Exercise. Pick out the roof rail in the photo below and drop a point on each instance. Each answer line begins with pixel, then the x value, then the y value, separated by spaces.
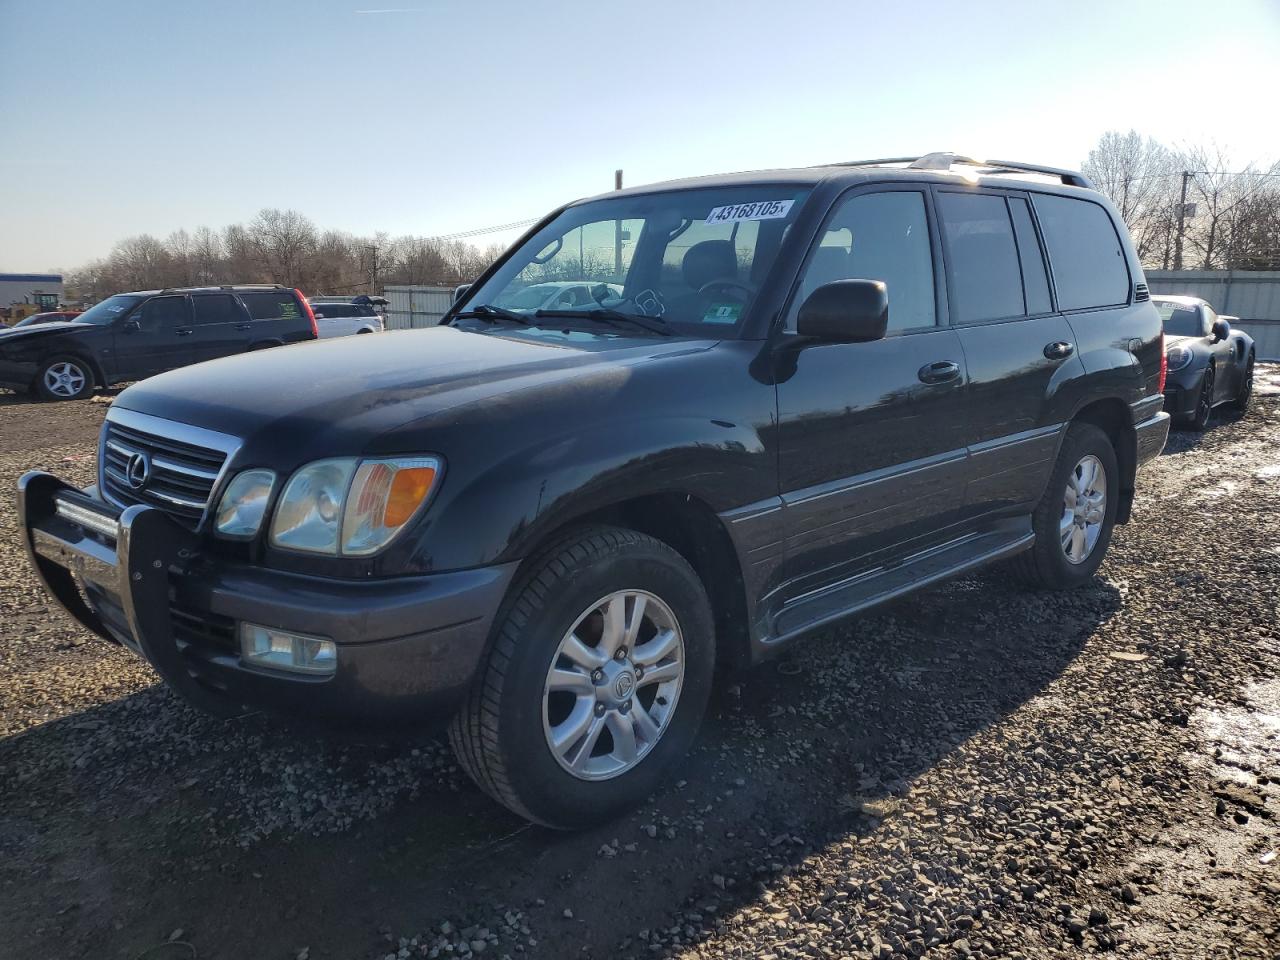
pixel 943 161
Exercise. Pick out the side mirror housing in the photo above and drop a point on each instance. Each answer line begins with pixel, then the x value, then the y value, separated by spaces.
pixel 131 326
pixel 460 291
pixel 845 311
pixel 1221 330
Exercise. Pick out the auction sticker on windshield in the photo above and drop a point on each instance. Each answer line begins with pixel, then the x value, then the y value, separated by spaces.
pixel 760 210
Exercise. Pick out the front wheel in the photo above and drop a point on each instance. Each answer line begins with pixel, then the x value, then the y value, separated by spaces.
pixel 64 378
pixel 596 681
pixel 1241 400
pixel 1075 517
pixel 1198 420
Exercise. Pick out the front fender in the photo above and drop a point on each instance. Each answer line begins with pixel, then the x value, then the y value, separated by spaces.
pixel 502 512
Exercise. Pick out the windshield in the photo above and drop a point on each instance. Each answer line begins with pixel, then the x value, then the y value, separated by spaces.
pixel 109 310
pixel 1180 320
pixel 694 259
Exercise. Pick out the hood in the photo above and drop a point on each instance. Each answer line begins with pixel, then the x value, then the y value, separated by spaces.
pixel 10 334
pixel 343 393
pixel 1174 341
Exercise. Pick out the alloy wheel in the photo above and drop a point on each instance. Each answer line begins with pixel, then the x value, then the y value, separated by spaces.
pixel 64 379
pixel 1084 508
pixel 613 685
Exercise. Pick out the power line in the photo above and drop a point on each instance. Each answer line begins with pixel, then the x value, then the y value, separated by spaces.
pixel 480 231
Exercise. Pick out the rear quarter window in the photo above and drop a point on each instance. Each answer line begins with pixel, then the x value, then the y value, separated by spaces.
pixel 272 306
pixel 1089 268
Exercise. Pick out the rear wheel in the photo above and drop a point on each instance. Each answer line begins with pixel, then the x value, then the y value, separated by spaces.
pixel 64 378
pixel 1241 400
pixel 1074 519
pixel 596 682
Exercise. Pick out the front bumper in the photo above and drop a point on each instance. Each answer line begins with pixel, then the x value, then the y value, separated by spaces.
pixel 406 646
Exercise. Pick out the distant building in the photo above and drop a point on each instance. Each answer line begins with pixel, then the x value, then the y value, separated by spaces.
pixel 41 290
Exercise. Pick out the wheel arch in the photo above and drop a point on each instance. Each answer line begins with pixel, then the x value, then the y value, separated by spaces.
pixel 1114 418
pixel 689 526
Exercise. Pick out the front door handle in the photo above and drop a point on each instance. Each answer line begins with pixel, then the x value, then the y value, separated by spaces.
pixel 939 372
pixel 186 332
pixel 243 326
pixel 1059 350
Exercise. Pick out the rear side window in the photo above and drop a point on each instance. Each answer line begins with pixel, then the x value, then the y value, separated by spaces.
pixel 1035 282
pixel 219 308
pixel 272 306
pixel 1089 268
pixel 878 236
pixel 334 310
pixel 986 277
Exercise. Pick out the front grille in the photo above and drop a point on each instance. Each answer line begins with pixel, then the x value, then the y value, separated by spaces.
pixel 209 632
pixel 182 475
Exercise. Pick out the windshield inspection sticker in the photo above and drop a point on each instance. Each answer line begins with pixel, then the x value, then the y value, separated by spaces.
pixel 722 313
pixel 760 210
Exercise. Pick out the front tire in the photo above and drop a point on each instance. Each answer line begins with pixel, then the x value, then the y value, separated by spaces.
pixel 1075 517
pixel 64 378
pixel 1198 420
pixel 596 681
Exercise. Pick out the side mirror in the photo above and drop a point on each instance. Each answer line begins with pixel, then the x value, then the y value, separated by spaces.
pixel 845 311
pixel 1221 330
pixel 131 326
pixel 460 291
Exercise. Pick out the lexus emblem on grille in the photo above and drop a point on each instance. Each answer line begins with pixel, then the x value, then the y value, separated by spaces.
pixel 138 470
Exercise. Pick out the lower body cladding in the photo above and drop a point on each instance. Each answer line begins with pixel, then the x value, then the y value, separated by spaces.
pixel 391 648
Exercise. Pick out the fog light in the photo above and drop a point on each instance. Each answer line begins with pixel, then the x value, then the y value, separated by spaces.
pixel 282 650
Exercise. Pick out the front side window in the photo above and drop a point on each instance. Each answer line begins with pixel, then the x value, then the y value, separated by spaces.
pixel 878 236
pixel 1089 267
pixel 693 260
pixel 164 314
pixel 985 280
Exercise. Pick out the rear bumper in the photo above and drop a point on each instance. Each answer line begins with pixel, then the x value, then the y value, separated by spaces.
pixel 1152 435
pixel 406 646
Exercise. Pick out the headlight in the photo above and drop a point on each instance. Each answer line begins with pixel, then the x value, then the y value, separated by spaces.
pixel 1178 358
pixel 358 504
pixel 243 506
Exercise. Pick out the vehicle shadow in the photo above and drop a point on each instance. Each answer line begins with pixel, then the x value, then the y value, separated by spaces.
pixel 259 837
pixel 22 398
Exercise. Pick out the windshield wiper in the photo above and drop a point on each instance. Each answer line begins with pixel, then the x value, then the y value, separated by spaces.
pixel 487 311
pixel 614 317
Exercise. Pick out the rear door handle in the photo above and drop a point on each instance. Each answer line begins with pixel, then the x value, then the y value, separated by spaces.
pixel 1059 350
pixel 243 326
pixel 185 332
pixel 939 372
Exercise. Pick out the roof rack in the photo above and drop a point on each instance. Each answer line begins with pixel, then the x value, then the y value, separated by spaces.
pixel 943 161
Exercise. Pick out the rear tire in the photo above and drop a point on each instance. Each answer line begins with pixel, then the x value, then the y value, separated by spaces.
pixel 1241 400
pixel 1063 521
pixel 517 734
pixel 64 378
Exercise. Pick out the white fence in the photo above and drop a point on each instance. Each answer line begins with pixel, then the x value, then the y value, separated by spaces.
pixel 414 307
pixel 1253 296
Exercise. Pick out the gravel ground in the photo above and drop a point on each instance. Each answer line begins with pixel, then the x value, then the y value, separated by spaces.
pixel 974 771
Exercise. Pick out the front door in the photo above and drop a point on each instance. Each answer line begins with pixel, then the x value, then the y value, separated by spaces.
pixel 156 336
pixel 872 435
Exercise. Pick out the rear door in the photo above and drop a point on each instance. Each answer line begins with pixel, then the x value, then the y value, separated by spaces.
pixel 157 336
pixel 1023 371
pixel 223 327
pixel 872 435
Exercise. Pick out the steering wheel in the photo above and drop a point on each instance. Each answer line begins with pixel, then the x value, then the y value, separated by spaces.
pixel 729 285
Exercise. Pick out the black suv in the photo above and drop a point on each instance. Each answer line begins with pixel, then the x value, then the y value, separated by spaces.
pixel 135 335
pixel 790 396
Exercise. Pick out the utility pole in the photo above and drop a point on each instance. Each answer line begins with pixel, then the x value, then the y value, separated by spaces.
pixel 1182 219
pixel 617 233
pixel 373 267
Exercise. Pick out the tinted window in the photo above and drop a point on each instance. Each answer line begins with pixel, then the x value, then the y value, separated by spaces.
pixel 878 236
pixel 272 306
pixel 1089 268
pixel 334 310
pixel 217 309
pixel 986 278
pixel 1035 282
pixel 109 310
pixel 164 313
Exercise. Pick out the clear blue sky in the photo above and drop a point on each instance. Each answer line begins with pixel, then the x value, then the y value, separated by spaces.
pixel 435 116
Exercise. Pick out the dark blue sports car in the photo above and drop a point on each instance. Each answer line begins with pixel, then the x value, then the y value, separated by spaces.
pixel 1209 363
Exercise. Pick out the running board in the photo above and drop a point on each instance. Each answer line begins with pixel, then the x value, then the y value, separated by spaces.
pixel 821 607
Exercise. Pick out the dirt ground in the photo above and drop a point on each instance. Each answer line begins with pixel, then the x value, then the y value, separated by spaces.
pixel 976 771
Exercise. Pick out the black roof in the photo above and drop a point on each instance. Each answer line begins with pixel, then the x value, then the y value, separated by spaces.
pixel 224 288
